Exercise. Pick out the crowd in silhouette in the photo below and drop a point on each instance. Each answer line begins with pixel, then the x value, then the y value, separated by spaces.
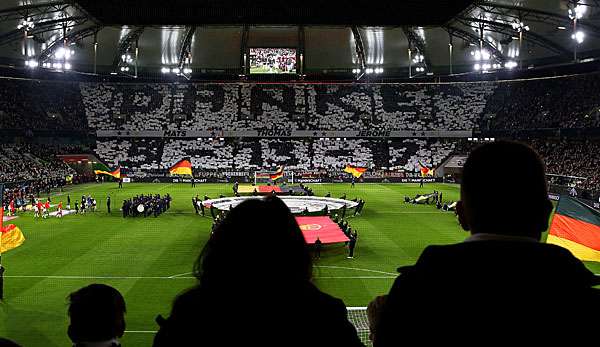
pixel 501 283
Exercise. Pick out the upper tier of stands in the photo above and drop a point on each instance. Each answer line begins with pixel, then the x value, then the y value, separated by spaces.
pixel 565 102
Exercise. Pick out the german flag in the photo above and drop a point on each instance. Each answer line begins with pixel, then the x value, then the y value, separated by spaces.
pixel 425 171
pixel 576 227
pixel 278 174
pixel 11 237
pixel 355 170
pixel 115 174
pixel 182 167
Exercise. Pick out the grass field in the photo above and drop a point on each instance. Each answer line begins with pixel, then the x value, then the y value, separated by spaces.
pixel 149 260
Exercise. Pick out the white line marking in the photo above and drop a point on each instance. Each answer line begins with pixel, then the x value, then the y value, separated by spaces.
pixel 183 274
pixel 354 277
pixel 164 278
pixel 141 331
pixel 356 269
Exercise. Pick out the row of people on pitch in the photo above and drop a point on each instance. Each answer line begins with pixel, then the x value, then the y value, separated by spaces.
pixel 146 205
pixel 352 234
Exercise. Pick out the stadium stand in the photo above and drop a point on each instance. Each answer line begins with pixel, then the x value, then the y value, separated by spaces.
pixel 31 162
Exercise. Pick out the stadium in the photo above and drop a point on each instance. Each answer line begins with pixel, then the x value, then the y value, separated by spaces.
pixel 133 132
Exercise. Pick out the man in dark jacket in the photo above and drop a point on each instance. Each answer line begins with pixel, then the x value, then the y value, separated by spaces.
pixel 501 283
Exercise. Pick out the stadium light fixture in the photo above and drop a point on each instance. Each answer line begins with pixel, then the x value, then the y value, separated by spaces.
pixel 510 64
pixel 67 66
pixel 477 67
pixel 369 70
pixel 579 36
pixel 187 70
pixel 164 70
pixel 57 65
pixel 561 28
pixel 31 63
pixel 577 12
pixel 175 70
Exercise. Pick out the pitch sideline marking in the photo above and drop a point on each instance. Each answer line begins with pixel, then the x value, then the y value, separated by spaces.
pixel 356 269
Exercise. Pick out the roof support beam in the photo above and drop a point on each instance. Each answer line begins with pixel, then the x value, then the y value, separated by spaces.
pixel 360 48
pixel 506 29
pixel 415 40
pixel 72 36
pixel 125 45
pixel 535 15
pixel 42 27
pixel 244 56
pixel 32 11
pixel 186 46
pixel 474 39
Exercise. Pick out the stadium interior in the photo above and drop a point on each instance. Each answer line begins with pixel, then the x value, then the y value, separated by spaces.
pixel 360 118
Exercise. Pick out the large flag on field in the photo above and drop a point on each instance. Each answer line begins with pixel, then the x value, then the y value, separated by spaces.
pixel 576 227
pixel 182 167
pixel 11 236
pixel 356 171
pixel 425 171
pixel 278 174
pixel 101 169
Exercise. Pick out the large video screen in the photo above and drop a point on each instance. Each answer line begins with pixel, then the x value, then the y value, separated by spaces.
pixel 272 60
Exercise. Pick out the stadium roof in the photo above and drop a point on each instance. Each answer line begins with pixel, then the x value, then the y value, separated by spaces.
pixel 212 36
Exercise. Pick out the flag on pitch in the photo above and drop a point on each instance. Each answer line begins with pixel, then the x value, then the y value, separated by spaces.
pixel 576 227
pixel 11 236
pixel 355 170
pixel 115 174
pixel 182 167
pixel 425 171
pixel 278 174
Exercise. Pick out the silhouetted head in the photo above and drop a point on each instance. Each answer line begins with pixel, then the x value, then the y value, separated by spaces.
pixel 258 243
pixel 97 313
pixel 504 191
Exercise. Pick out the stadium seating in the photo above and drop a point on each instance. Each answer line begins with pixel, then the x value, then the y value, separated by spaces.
pixel 19 163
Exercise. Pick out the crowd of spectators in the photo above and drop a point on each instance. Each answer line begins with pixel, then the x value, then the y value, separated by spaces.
pixel 29 162
pixel 579 159
pixel 507 105
pixel 143 157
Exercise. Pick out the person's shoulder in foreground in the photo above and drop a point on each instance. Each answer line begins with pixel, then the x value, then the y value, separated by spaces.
pixel 502 280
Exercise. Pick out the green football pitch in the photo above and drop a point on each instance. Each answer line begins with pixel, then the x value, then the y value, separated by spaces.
pixel 149 260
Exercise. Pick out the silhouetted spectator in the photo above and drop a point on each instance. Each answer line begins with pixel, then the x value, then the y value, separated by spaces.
pixel 97 316
pixel 502 282
pixel 232 283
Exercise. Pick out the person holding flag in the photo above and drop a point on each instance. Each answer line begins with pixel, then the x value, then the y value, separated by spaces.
pixel 182 167
pixel 355 171
pixel 277 175
pixel 10 237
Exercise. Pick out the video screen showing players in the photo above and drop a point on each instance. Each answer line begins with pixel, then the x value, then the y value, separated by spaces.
pixel 272 61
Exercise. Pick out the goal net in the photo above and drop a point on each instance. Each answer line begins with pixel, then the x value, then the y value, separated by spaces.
pixel 358 317
pixel 264 177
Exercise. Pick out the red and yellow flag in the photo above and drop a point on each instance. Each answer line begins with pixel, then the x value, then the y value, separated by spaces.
pixel 11 237
pixel 278 174
pixel 355 170
pixel 425 171
pixel 115 174
pixel 576 227
pixel 182 167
